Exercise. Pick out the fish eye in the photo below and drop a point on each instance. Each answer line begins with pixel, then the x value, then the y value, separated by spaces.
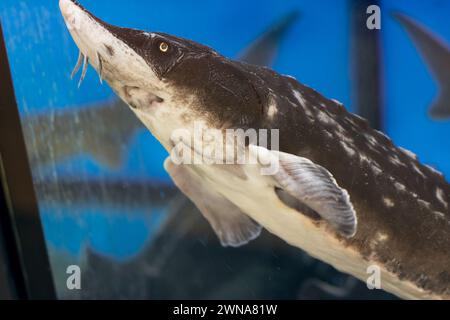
pixel 164 47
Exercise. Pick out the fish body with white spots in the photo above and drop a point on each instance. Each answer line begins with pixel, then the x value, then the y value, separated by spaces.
pixel 342 191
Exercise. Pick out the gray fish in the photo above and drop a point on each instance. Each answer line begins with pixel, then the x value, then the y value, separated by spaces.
pixel 117 193
pixel 264 49
pixel 342 191
pixel 436 55
pixel 51 138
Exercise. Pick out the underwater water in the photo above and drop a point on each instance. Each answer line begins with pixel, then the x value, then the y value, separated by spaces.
pixel 106 202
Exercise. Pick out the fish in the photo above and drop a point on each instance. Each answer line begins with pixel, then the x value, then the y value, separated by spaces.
pixel 106 146
pixel 333 187
pixel 117 193
pixel 264 49
pixel 63 134
pixel 436 54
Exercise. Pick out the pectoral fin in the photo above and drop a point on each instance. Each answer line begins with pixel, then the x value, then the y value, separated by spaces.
pixel 233 227
pixel 314 186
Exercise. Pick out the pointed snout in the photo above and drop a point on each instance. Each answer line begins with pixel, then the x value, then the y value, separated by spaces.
pixel 83 29
pixel 66 7
pixel 72 13
pixel 69 11
pixel 108 49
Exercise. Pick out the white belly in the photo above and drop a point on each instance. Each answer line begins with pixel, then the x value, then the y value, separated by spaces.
pixel 257 198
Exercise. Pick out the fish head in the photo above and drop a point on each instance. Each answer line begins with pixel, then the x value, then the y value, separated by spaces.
pixel 168 82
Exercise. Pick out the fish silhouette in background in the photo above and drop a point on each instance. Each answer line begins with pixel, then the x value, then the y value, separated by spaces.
pixel 436 55
pixel 65 134
pixel 188 239
pixel 117 193
pixel 264 49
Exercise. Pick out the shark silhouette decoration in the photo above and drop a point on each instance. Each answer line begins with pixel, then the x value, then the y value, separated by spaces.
pixel 436 55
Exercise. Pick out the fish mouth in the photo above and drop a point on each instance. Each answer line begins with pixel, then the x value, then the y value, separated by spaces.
pixel 141 99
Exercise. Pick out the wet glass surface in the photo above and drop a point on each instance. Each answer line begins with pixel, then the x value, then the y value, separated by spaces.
pixel 106 202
